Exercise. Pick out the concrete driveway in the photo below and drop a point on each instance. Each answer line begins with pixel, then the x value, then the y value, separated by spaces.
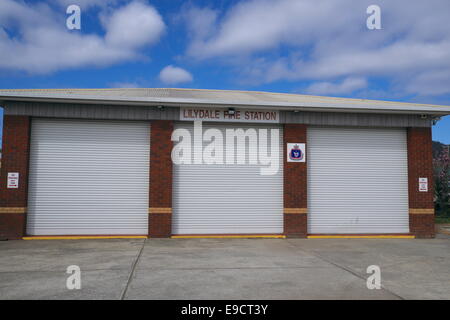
pixel 226 268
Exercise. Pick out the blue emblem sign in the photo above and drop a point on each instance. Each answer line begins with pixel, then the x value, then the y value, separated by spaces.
pixel 296 152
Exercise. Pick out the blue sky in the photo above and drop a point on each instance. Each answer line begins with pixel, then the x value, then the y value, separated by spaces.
pixel 294 46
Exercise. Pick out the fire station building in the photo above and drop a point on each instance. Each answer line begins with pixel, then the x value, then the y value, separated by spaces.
pixel 158 163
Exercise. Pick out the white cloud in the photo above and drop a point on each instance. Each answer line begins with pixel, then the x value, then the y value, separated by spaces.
pixel 348 85
pixel 259 25
pixel 174 75
pixel 200 23
pixel 435 82
pixel 41 43
pixel 295 40
pixel 133 26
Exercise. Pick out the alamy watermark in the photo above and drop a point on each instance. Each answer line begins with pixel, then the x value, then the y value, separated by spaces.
pixel 373 22
pixel 239 147
pixel 374 280
pixel 74 280
pixel 73 22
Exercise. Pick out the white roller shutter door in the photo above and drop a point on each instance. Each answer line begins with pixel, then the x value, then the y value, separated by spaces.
pixel 228 199
pixel 357 180
pixel 88 177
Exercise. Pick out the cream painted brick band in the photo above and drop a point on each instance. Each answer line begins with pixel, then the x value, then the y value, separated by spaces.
pixel 159 210
pixel 13 210
pixel 296 210
pixel 421 211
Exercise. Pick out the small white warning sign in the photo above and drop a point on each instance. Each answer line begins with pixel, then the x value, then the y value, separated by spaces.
pixel 13 180
pixel 423 184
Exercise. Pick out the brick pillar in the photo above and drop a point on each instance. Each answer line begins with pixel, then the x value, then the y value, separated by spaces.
pixel 160 211
pixel 15 154
pixel 420 165
pixel 295 196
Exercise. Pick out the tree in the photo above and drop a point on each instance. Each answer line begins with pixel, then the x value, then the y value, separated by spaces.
pixel 441 166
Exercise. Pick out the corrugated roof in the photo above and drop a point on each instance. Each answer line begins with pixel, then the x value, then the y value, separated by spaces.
pixel 217 98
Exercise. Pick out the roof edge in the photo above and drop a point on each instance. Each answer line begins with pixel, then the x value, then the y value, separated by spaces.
pixel 327 104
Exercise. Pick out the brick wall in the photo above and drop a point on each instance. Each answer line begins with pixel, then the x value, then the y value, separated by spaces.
pixel 420 165
pixel 160 198
pixel 15 155
pixel 295 185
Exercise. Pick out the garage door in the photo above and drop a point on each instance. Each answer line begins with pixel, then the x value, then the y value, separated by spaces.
pixel 357 180
pixel 228 199
pixel 88 177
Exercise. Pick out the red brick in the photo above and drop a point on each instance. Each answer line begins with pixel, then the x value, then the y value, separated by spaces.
pixel 420 165
pixel 160 224
pixel 15 156
pixel 422 225
pixel 295 184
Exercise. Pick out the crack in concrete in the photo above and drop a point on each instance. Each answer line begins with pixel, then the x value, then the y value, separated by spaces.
pixel 166 268
pixel 59 270
pixel 133 268
pixel 349 270
pixel 231 268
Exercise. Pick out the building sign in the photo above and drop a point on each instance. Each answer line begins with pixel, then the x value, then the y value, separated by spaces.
pixel 13 180
pixel 225 115
pixel 296 152
pixel 423 184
